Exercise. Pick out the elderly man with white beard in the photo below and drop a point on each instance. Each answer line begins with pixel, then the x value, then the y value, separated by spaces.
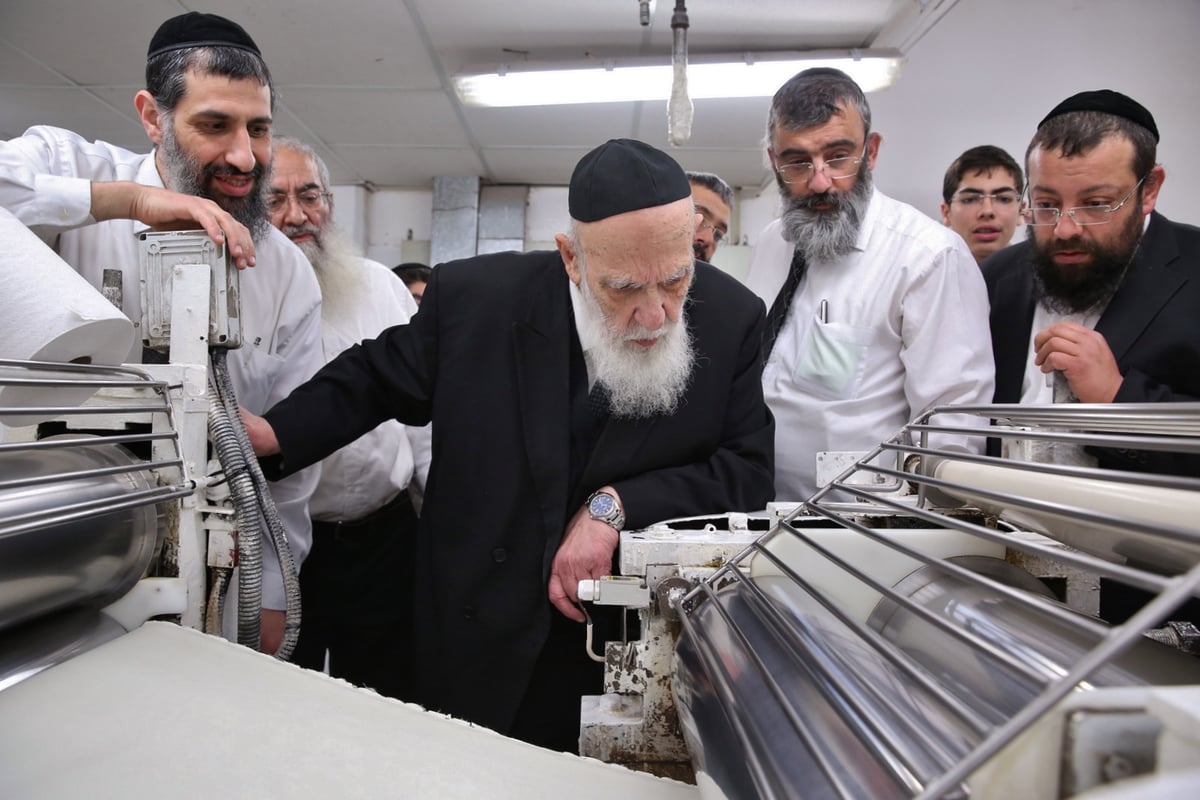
pixel 356 585
pixel 606 385
pixel 877 313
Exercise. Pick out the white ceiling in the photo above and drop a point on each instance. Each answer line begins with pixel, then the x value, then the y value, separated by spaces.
pixel 367 81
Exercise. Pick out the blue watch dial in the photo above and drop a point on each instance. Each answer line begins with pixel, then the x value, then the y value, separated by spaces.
pixel 602 505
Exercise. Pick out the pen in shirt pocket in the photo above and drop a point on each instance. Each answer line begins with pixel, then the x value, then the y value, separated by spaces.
pixel 823 311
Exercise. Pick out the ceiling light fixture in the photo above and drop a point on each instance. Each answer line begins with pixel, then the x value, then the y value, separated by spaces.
pixel 615 81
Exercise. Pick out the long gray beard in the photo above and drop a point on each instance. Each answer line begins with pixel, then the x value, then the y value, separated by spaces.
pixel 641 383
pixel 823 236
pixel 339 272
pixel 186 175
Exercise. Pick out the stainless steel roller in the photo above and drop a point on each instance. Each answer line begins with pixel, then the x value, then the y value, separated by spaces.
pixel 75 526
pixel 846 654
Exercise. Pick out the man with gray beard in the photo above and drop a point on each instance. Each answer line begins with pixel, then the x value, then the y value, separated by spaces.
pixel 605 385
pixel 356 585
pixel 877 312
pixel 207 107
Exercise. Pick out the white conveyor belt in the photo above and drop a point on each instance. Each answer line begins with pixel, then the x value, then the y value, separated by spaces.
pixel 167 711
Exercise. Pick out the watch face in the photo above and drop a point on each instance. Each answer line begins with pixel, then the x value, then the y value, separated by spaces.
pixel 602 505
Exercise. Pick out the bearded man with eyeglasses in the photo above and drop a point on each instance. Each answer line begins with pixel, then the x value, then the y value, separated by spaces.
pixel 1105 290
pixel 877 312
pixel 356 588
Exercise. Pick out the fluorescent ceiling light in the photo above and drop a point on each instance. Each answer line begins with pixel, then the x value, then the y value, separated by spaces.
pixel 745 75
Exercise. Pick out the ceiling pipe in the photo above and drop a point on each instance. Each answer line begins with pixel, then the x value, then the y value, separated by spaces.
pixel 679 107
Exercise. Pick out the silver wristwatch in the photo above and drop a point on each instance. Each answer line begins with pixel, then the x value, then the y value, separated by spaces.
pixel 604 507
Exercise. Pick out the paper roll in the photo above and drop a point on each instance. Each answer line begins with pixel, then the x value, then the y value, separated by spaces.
pixel 48 312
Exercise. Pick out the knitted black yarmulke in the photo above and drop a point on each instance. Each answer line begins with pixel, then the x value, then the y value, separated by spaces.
pixel 194 29
pixel 1108 102
pixel 624 175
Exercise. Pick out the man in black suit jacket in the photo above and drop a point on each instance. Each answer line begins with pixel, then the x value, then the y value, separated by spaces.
pixel 1096 293
pixel 508 527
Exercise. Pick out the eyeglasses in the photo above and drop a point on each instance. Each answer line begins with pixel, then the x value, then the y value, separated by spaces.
pixel 1081 215
pixel 309 199
pixel 1002 198
pixel 718 235
pixel 834 169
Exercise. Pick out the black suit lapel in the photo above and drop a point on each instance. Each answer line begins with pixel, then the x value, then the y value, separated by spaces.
pixel 1148 285
pixel 1012 326
pixel 617 448
pixel 541 345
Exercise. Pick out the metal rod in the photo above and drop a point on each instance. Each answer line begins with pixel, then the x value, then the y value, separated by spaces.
pixel 897 657
pixel 715 668
pixel 1140 578
pixel 902 769
pixel 1120 638
pixel 62 477
pixel 94 508
pixel 966 637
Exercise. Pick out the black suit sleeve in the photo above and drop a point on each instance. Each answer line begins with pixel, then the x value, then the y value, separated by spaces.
pixel 389 377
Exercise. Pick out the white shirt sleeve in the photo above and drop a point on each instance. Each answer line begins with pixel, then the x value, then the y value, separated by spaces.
pixel 946 351
pixel 46 176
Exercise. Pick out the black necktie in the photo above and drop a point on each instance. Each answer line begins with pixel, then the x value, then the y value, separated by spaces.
pixel 783 301
pixel 598 400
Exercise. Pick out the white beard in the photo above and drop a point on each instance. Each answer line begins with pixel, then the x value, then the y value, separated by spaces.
pixel 339 272
pixel 641 382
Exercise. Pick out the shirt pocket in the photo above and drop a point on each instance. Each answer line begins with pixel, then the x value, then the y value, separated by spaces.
pixel 833 359
pixel 256 378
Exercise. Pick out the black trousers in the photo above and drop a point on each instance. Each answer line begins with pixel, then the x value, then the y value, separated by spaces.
pixel 549 714
pixel 356 589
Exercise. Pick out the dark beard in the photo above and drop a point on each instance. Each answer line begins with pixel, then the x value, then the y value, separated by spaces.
pixel 1081 288
pixel 186 175
pixel 826 234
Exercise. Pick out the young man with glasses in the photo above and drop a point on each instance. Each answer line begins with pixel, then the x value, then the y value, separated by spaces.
pixel 877 313
pixel 713 199
pixel 1106 289
pixel 356 588
pixel 981 199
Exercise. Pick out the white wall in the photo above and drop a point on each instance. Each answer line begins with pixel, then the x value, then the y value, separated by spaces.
pixel 985 74
pixel 990 70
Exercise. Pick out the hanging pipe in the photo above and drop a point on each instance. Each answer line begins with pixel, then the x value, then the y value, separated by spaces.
pixel 679 107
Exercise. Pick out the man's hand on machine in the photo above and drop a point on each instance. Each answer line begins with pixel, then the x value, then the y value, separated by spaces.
pixel 270 632
pixel 586 553
pixel 261 434
pixel 162 209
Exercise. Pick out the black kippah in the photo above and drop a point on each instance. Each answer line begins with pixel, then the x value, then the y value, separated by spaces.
pixel 624 175
pixel 1106 101
pixel 194 29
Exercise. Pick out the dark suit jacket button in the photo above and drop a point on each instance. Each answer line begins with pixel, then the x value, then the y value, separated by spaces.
pixel 468 612
pixel 498 555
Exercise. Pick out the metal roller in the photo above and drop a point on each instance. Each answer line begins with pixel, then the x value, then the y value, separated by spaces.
pixel 857 650
pixel 76 528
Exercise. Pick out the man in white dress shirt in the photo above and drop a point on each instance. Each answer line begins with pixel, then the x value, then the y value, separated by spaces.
pixel 885 315
pixel 356 586
pixel 207 107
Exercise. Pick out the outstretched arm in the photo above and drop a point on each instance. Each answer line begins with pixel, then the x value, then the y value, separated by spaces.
pixel 163 209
